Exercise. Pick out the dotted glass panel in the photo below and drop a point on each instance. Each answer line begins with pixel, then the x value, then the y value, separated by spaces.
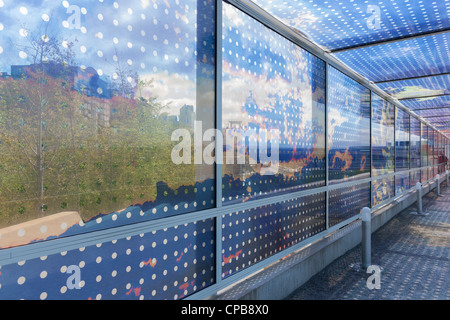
pixel 433 115
pixel 414 177
pixel 253 235
pixel 401 183
pixel 436 152
pixel 92 92
pixel 382 190
pixel 269 85
pixel 427 103
pixel 336 24
pixel 383 121
pixel 165 264
pixel 441 154
pixel 430 153
pixel 401 140
pixel 422 87
pixel 348 128
pixel 345 203
pixel 403 59
pixel 415 143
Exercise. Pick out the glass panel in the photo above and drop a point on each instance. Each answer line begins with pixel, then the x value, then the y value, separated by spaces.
pixel 415 143
pixel 401 183
pixel 424 151
pixel 442 155
pixel 383 121
pixel 252 235
pixel 348 128
pixel 414 178
pixel 271 88
pixel 348 202
pixel 165 264
pixel 336 24
pixel 383 153
pixel 430 152
pixel 91 96
pixel 427 103
pixel 433 113
pixel 401 59
pixel 382 190
pixel 401 140
pixel 435 153
pixel 421 87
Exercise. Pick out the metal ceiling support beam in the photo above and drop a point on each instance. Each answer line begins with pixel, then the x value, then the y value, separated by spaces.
pixel 414 78
pixel 423 97
pixel 392 40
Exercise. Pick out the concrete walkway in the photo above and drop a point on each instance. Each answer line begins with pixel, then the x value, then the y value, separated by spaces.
pixel 413 253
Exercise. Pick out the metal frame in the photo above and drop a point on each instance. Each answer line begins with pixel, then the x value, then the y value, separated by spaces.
pixel 218 114
pixel 35 250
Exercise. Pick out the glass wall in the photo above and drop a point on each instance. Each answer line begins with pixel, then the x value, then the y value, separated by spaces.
pixel 430 153
pixel 424 151
pixel 273 112
pixel 348 128
pixel 415 149
pixel 94 97
pixel 402 156
pixel 383 149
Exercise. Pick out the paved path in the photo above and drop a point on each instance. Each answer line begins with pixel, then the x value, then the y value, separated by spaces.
pixel 413 252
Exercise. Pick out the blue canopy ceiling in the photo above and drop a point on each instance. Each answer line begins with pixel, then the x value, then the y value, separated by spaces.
pixel 400 45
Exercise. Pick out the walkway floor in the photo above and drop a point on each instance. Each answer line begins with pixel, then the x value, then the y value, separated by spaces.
pixel 413 253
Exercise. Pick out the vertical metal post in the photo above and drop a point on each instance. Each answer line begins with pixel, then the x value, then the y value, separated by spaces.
pixel 446 175
pixel 438 187
pixel 219 142
pixel 366 238
pixel 419 197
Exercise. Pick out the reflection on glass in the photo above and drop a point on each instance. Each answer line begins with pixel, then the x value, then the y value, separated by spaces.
pixel 90 96
pixel 402 182
pixel 402 156
pixel 348 128
pixel 252 235
pixel 424 151
pixel 415 143
pixel 442 159
pixel 401 140
pixel 383 120
pixel 348 202
pixel 269 85
pixel 430 153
